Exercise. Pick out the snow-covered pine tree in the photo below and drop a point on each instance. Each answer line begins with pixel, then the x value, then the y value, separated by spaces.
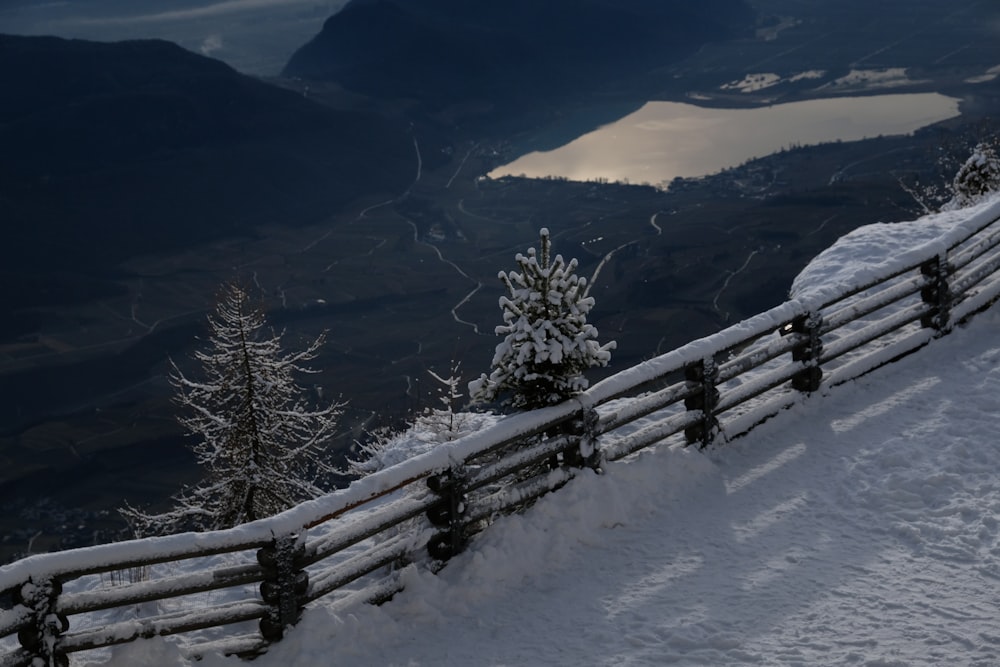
pixel 978 177
pixel 261 444
pixel 548 344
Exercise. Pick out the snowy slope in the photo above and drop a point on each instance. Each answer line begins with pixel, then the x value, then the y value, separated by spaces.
pixel 858 528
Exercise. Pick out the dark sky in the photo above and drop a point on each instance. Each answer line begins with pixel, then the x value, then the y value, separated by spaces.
pixel 254 36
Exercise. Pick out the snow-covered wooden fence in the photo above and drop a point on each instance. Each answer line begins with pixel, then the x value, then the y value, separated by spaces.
pixel 237 590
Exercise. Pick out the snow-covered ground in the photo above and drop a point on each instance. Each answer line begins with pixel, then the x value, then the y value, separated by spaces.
pixel 860 528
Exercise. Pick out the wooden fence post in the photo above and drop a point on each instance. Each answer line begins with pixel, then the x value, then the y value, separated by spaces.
pixel 285 584
pixel 702 378
pixel 585 428
pixel 41 638
pixel 583 451
pixel 937 294
pixel 447 514
pixel 808 379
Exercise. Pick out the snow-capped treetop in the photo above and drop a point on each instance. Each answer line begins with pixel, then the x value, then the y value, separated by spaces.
pixel 977 178
pixel 548 343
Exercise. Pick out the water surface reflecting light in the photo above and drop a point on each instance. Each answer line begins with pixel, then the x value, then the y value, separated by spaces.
pixel 663 140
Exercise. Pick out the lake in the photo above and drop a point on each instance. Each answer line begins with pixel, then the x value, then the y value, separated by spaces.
pixel 664 140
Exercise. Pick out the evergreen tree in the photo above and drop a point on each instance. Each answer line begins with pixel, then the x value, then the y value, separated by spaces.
pixel 259 442
pixel 978 177
pixel 548 344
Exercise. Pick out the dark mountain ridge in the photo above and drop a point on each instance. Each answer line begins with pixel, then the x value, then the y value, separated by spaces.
pixel 446 51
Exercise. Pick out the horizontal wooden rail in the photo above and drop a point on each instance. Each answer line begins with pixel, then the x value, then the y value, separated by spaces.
pixel 837 319
pixel 856 339
pixel 158 626
pixel 364 563
pixel 12 620
pixel 517 461
pixel 520 494
pixel 651 434
pixel 161 589
pixel 392 514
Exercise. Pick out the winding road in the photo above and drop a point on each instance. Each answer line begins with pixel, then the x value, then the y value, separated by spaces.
pixel 729 279
pixel 460 165
pixel 652 221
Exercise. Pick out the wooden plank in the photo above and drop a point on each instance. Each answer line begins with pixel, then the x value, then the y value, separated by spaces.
pixel 377 592
pixel 756 357
pixel 517 461
pixel 518 495
pixel 973 233
pixel 650 435
pixel 166 624
pixel 237 645
pixel 644 406
pixel 739 425
pixel 960 258
pixel 828 305
pixel 892 352
pixel 392 514
pixel 874 331
pixel 16 658
pixel 856 310
pixel 971 303
pixel 12 620
pixel 752 389
pixel 977 273
pixel 159 589
pixel 340 575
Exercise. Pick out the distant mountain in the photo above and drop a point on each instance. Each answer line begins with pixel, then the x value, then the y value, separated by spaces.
pixel 443 51
pixel 113 150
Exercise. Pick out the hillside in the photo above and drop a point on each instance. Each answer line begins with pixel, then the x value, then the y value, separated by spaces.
pixel 113 150
pixel 447 51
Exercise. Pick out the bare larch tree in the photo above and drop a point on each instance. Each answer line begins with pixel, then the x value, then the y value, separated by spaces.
pixel 260 442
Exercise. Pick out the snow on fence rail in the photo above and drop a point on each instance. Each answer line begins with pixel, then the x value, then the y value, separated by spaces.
pixel 237 590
